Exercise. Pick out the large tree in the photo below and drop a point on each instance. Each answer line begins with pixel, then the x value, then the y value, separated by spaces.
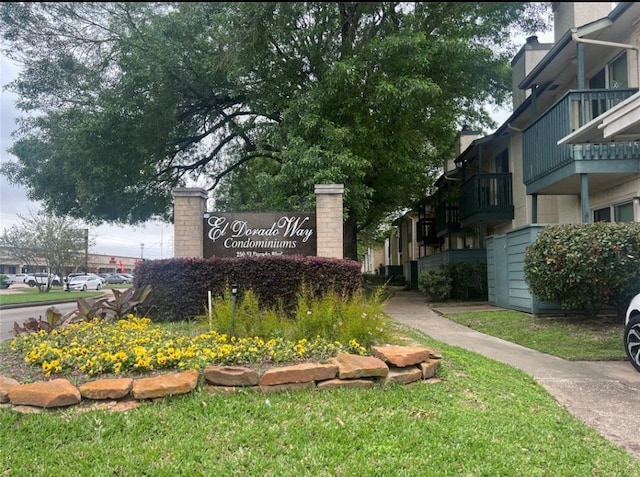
pixel 257 102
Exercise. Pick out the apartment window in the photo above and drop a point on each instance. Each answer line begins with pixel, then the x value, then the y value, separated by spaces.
pixel 602 215
pixel 502 162
pixel 613 76
pixel 598 81
pixel 618 72
pixel 624 212
pixel 620 213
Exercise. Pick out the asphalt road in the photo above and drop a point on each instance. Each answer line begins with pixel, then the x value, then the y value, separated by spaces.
pixel 10 315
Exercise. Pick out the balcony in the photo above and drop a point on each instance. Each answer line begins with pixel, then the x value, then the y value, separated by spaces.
pixel 447 218
pixel 426 232
pixel 549 168
pixel 486 198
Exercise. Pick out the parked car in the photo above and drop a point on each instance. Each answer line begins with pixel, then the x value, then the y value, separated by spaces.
pixel 84 282
pixel 116 279
pixel 41 279
pixel 15 278
pixel 632 332
pixel 81 274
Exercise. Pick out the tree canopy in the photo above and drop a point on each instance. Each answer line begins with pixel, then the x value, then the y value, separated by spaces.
pixel 254 101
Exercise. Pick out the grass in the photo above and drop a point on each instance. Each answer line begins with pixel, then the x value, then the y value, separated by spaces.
pixel 572 338
pixel 479 418
pixel 482 418
pixel 35 296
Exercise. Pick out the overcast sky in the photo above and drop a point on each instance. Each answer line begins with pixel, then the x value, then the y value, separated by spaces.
pixel 153 240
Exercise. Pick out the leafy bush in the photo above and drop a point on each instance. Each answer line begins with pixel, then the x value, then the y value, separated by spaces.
pixel 468 280
pixel 243 317
pixel 435 284
pixel 181 286
pixel 585 267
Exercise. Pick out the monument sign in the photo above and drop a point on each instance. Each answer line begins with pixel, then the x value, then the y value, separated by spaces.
pixel 235 234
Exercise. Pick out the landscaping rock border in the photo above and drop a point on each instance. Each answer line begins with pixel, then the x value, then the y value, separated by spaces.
pixel 386 365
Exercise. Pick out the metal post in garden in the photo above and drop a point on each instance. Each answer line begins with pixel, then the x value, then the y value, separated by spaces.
pixel 234 298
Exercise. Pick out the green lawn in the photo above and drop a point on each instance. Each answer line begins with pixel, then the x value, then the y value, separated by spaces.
pixel 480 418
pixel 572 338
pixel 477 418
pixel 56 294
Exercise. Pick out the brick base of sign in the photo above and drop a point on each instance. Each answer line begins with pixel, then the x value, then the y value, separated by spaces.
pixel 386 365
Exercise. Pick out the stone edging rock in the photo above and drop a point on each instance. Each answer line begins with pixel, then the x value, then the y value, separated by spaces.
pixel 386 365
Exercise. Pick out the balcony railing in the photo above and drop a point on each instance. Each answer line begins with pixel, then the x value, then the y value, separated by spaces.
pixel 426 233
pixel 541 153
pixel 447 218
pixel 486 197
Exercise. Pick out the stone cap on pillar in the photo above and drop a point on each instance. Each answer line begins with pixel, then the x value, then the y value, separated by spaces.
pixel 190 192
pixel 329 188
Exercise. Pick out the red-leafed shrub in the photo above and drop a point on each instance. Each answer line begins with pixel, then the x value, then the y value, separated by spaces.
pixel 180 286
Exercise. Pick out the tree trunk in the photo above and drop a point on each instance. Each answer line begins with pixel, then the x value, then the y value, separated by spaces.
pixel 350 236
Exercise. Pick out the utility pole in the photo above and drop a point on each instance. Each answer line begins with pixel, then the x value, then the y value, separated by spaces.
pixel 86 250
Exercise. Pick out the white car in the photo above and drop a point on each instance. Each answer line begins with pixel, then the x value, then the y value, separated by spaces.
pixel 41 279
pixel 16 278
pixel 84 283
pixel 632 332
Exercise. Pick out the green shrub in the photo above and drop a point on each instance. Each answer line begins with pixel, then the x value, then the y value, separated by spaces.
pixel 586 267
pixel 435 284
pixel 468 281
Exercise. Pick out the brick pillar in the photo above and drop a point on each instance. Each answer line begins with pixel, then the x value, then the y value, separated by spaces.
pixel 189 206
pixel 329 220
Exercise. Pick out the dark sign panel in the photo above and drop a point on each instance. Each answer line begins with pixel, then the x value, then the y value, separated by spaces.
pixel 249 234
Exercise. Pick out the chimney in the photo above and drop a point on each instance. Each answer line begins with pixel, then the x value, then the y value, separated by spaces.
pixel 566 15
pixel 463 140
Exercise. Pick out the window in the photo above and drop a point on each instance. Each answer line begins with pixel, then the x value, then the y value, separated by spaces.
pixel 620 213
pixel 624 212
pixel 502 161
pixel 598 80
pixel 613 76
pixel 618 72
pixel 602 215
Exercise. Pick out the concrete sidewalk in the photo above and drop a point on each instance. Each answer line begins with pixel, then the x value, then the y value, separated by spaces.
pixel 604 395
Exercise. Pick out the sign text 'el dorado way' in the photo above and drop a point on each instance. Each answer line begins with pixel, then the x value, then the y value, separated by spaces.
pixel 251 234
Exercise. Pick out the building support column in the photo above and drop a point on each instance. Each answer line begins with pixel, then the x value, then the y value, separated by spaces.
pixel 584 197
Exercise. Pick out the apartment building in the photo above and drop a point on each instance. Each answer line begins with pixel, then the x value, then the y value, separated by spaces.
pixel 568 153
